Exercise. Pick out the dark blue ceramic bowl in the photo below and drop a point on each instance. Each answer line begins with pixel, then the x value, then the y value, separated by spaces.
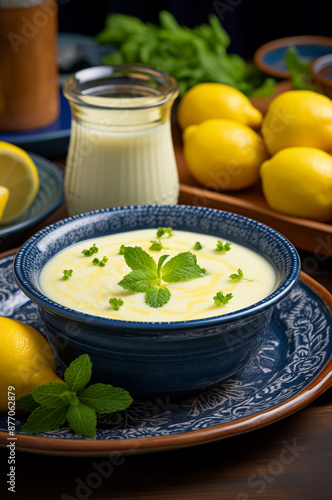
pixel 151 359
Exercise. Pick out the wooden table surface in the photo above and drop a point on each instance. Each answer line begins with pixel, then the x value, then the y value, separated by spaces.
pixel 290 459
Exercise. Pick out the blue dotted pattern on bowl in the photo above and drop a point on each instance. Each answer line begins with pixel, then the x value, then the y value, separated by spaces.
pixel 34 254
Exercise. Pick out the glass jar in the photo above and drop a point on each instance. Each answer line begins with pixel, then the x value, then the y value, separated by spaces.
pixel 120 150
pixel 29 93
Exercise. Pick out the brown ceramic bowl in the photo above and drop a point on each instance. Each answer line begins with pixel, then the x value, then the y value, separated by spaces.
pixel 269 58
pixel 321 69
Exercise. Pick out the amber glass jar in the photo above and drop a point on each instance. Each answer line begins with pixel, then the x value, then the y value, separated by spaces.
pixel 28 70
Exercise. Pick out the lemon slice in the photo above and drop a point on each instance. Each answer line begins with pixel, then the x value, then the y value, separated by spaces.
pixel 4 193
pixel 19 175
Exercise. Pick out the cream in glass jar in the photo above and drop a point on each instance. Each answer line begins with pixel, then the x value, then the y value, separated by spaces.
pixel 121 150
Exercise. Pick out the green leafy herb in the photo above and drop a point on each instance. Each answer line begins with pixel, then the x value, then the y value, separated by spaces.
pixel 121 251
pixel 198 246
pixel 191 56
pixel 221 247
pixel 220 299
pixel 91 251
pixel 116 303
pixel 100 263
pixel 157 244
pixel 52 404
pixel 67 273
pixel 146 276
pixel 239 276
pixel 300 70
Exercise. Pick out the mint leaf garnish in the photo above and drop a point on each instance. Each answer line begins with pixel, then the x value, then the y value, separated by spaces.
pixel 90 251
pixel 137 259
pixel 100 263
pixel 157 244
pixel 51 395
pixel 44 419
pixel 82 419
pixel 105 398
pixel 181 267
pixel 27 403
pixel 78 373
pixel 139 281
pixel 220 299
pixel 116 303
pixel 67 273
pixel 147 275
pixel 122 249
pixel 157 296
pixel 238 276
pixel 223 247
pixel 198 246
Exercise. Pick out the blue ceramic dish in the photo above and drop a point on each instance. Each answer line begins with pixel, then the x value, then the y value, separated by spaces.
pixel 150 359
pixel 270 57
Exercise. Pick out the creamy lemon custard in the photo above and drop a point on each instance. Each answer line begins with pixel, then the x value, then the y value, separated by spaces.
pixel 89 286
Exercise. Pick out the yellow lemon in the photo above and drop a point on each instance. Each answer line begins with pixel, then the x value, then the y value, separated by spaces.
pixel 223 155
pixel 216 100
pixel 19 175
pixel 298 118
pixel 27 360
pixel 4 193
pixel 298 181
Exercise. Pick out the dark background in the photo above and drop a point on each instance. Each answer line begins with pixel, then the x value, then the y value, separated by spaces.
pixel 250 23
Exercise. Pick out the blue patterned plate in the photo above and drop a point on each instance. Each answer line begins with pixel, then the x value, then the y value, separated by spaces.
pixel 49 197
pixel 293 367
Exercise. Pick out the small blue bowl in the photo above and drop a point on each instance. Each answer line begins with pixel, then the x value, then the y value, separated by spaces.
pixel 158 359
pixel 270 57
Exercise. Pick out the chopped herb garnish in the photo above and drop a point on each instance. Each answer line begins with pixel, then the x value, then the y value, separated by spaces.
pixel 54 403
pixel 91 251
pixel 67 274
pixel 146 276
pixel 239 276
pixel 157 244
pixel 221 247
pixel 116 303
pixel 220 299
pixel 198 246
pixel 100 263
pixel 121 251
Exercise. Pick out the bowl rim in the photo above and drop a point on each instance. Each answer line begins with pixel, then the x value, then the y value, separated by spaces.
pixel 320 63
pixel 70 314
pixel 280 43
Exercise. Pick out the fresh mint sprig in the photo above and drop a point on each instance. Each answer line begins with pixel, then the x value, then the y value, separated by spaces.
pixel 52 404
pixel 223 247
pixel 147 276
pixel 67 273
pixel 220 299
pixel 89 252
pixel 116 303
pixel 198 245
pixel 238 276
pixel 157 245
pixel 100 263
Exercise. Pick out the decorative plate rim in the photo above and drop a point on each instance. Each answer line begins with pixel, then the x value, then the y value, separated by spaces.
pixel 284 43
pixel 27 223
pixel 84 447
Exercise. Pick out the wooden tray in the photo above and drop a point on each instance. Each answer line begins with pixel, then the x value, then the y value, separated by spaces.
pixel 305 234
